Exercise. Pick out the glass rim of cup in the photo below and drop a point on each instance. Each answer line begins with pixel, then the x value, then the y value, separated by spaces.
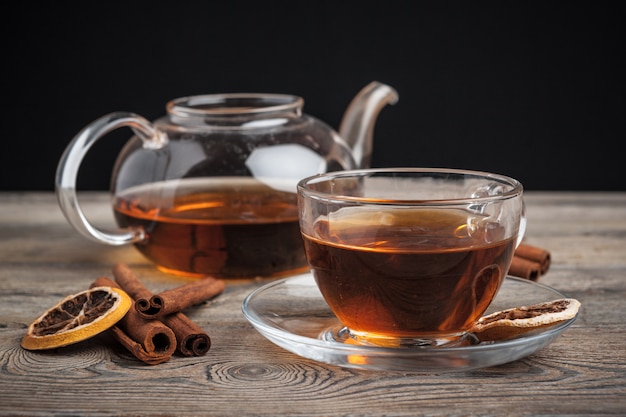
pixel 303 186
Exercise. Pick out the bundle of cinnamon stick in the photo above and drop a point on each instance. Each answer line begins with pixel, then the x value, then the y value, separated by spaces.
pixel 155 327
pixel 530 262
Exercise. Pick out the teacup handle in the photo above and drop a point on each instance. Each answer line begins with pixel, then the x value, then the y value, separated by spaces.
pixel 67 172
pixel 522 225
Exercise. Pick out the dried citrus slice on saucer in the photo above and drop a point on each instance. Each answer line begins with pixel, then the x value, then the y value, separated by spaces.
pixel 510 323
pixel 77 317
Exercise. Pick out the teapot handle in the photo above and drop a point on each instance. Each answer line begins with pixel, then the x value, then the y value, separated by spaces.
pixel 67 172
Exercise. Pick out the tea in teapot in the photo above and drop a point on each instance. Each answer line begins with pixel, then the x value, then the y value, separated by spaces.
pixel 210 188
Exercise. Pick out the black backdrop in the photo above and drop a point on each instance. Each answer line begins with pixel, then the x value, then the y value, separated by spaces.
pixel 533 90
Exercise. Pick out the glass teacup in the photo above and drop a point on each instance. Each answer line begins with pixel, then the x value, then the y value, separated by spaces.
pixel 410 256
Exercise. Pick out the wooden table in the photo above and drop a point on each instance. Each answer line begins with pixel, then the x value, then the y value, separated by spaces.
pixel 42 259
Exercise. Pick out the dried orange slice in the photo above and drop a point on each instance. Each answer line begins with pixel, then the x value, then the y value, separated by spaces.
pixel 77 317
pixel 507 324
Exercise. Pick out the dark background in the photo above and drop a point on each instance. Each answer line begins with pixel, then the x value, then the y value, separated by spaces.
pixel 533 90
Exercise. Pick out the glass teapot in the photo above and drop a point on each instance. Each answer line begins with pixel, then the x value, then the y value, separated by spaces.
pixel 209 189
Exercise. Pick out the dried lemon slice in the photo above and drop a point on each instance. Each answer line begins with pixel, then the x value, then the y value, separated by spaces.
pixel 507 324
pixel 77 317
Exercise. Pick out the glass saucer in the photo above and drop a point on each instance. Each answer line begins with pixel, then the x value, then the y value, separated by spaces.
pixel 292 314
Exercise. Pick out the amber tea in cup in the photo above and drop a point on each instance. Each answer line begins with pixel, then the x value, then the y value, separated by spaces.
pixel 410 257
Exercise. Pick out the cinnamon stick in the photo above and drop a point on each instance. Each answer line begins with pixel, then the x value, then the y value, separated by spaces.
pixel 524 268
pixel 150 341
pixel 178 299
pixel 129 282
pixel 535 254
pixel 191 339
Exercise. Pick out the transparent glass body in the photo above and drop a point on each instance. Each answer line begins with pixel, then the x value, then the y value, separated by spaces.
pixel 410 256
pixel 210 187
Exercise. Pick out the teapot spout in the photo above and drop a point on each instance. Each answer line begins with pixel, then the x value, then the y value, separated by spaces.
pixel 357 125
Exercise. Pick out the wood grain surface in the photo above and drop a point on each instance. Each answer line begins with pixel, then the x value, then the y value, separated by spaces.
pixel 42 259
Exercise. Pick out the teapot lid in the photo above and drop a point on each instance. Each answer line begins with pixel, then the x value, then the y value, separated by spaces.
pixel 234 104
